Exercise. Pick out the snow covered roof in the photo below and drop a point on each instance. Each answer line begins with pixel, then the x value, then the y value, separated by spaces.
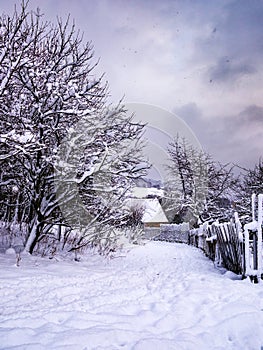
pixel 144 192
pixel 153 212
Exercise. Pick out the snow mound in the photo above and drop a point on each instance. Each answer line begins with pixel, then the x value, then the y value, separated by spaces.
pixel 10 251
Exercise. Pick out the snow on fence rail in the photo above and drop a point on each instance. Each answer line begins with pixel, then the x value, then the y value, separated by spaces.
pixel 205 238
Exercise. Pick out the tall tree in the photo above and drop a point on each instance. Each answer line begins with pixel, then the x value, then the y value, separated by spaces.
pixel 198 188
pixel 186 188
pixel 52 108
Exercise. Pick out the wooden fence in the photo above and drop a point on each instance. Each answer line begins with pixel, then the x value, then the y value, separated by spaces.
pixel 230 247
pixel 221 243
pixel 227 244
pixel 238 249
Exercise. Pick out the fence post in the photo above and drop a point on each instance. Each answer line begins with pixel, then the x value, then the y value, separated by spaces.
pixel 248 227
pixel 259 250
pixel 255 251
pixel 256 228
pixel 253 204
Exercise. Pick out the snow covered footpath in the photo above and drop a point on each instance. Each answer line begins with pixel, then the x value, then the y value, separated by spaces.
pixel 157 296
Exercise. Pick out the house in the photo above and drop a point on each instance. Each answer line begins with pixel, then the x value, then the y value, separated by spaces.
pixel 148 200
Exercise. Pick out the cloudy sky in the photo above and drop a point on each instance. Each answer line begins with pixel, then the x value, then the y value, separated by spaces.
pixel 200 59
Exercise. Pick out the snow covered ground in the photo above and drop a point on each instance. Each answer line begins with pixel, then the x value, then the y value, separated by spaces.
pixel 157 296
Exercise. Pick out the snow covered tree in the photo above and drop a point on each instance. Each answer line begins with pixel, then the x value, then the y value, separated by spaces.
pixel 220 191
pixel 54 116
pixel 186 188
pixel 15 43
pixel 95 170
pixel 198 188
pixel 250 182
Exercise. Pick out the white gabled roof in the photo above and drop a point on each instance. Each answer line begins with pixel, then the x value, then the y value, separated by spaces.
pixel 153 212
pixel 144 192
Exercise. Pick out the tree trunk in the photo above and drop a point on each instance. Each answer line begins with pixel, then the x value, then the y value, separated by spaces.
pixel 34 235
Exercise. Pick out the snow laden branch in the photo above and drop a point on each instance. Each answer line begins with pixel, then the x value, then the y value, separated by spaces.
pixel 99 166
